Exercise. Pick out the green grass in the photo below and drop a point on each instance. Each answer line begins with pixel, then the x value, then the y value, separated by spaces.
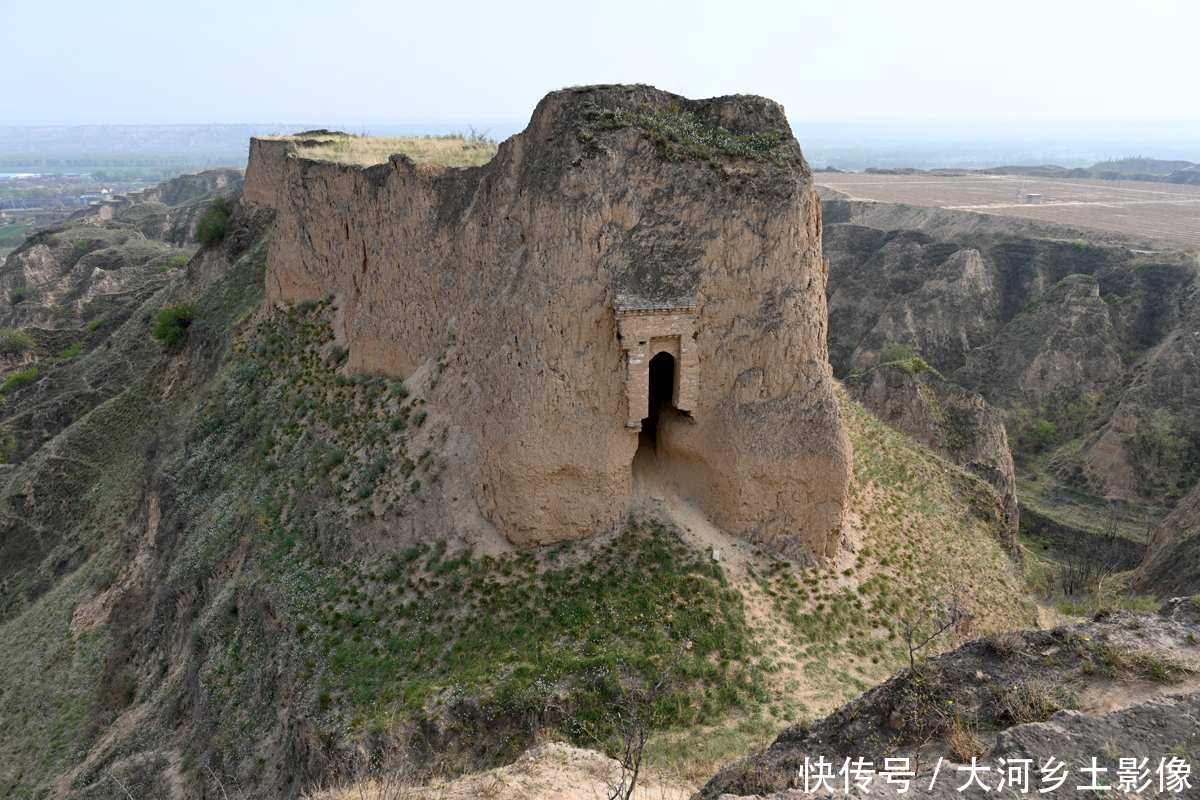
pixel 386 641
pixel 12 235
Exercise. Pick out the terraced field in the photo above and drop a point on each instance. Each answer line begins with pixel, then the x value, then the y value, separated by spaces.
pixel 1165 214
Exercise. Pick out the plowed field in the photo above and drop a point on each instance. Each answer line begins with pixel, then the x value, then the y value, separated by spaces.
pixel 1160 212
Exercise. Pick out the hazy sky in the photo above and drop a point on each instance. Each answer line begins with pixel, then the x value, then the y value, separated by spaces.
pixel 123 61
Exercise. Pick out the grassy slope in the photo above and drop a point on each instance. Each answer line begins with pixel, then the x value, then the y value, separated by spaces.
pixel 52 702
pixel 288 456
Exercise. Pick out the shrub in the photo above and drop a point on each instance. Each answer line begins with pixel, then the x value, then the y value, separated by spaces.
pixel 333 458
pixel 13 343
pixel 8 449
pixel 172 323
pixel 19 295
pixel 897 351
pixel 19 379
pixel 75 349
pixel 96 323
pixel 1044 433
pixel 214 224
pixel 174 263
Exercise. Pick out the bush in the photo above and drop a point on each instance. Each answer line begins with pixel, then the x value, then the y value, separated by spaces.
pixel 13 343
pixel 333 458
pixel 172 323
pixel 174 263
pixel 96 323
pixel 214 224
pixel 75 349
pixel 19 295
pixel 896 351
pixel 1044 433
pixel 19 379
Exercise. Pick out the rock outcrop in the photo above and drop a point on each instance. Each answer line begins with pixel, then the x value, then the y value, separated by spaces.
pixel 631 249
pixel 952 422
pixel 1125 683
pixel 1063 340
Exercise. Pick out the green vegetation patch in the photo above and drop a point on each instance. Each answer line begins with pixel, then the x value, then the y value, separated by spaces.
pixel 213 226
pixel 515 633
pixel 684 136
pixel 172 323
pixel 14 342
pixel 12 235
pixel 18 379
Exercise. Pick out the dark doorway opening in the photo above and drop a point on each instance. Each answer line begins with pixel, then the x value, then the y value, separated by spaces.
pixel 662 392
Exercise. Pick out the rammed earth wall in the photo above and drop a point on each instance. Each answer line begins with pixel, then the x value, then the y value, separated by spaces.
pixel 526 264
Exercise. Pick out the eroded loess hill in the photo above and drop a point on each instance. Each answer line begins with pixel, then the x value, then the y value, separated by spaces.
pixel 1089 349
pixel 266 564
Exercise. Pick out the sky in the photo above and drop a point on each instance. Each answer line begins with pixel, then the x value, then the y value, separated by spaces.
pixel 1065 62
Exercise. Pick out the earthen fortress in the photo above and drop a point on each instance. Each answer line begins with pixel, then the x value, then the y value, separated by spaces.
pixel 610 293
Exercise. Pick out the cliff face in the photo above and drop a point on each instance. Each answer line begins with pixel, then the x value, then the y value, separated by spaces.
pixel 623 223
pixel 1064 340
pixel 951 421
pixel 1089 347
pixel 1172 564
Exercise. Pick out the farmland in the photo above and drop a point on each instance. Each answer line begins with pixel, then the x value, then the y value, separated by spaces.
pixel 1161 213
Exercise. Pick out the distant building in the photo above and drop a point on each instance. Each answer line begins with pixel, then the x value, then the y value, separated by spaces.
pixel 1033 199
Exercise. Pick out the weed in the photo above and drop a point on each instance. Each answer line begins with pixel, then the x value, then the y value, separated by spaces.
pixel 963 741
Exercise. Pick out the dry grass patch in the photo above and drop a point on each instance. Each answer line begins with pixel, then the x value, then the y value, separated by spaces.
pixel 366 151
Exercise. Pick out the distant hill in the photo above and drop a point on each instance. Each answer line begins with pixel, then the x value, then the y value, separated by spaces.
pixel 1150 166
pixel 1125 170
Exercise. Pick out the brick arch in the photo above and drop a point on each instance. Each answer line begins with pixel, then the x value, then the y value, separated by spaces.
pixel 646 332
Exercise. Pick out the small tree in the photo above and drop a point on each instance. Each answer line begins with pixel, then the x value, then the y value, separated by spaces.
pixel 1044 433
pixel 172 323
pixel 213 226
pixel 922 625
pixel 635 716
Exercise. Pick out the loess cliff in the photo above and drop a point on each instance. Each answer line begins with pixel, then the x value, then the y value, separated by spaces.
pixel 635 275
